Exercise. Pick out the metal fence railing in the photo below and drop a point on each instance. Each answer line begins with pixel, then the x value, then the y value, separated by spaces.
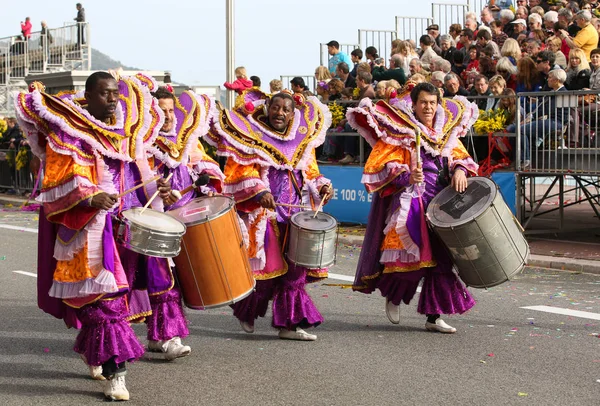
pixel 16 173
pixel 477 5
pixel 324 54
pixel 380 39
pixel 446 14
pixel 309 81
pixel 412 27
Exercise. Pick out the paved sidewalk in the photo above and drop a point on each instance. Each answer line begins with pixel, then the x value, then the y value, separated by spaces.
pixel 568 255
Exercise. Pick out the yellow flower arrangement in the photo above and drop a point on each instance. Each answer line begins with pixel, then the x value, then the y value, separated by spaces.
pixel 3 127
pixel 490 121
pixel 22 159
pixel 356 93
pixel 337 113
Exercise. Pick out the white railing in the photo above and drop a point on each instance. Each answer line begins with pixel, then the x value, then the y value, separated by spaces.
pixel 412 27
pixel 309 81
pixel 446 14
pixel 380 39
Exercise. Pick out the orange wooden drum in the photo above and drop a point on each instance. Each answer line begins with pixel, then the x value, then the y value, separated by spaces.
pixel 213 268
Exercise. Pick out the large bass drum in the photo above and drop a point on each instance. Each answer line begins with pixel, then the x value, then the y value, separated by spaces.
pixel 485 240
pixel 213 268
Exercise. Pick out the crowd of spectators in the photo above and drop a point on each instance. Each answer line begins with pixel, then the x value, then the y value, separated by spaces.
pixel 513 46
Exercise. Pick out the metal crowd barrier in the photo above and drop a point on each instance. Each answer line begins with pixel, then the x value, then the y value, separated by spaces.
pixel 380 39
pixel 446 14
pixel 309 81
pixel 11 179
pixel 412 27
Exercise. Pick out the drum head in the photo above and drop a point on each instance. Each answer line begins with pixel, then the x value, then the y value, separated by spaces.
pixel 451 209
pixel 153 220
pixel 307 221
pixel 203 209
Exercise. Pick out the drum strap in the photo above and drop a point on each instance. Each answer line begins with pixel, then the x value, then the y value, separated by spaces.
pixel 295 184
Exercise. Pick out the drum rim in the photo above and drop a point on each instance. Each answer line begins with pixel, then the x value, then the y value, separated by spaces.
pixel 208 218
pixel 333 227
pixel 148 253
pixel 462 222
pixel 130 222
pixel 222 304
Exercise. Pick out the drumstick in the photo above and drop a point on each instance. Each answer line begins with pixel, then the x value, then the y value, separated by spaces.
pixel 201 181
pixel 139 186
pixel 319 208
pixel 296 206
pixel 155 194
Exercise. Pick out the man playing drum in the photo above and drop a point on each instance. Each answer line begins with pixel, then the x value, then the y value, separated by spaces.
pixel 271 171
pixel 92 146
pixel 416 148
pixel 177 151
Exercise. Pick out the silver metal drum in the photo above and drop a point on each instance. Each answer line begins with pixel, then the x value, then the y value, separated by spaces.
pixel 313 240
pixel 485 240
pixel 152 233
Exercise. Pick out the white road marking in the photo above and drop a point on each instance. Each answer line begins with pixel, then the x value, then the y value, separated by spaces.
pixel 564 312
pixel 340 277
pixel 347 278
pixel 26 273
pixel 29 230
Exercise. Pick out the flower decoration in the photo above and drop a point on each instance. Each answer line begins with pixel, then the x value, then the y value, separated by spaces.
pixel 356 93
pixel 299 99
pixel 22 159
pixel 337 113
pixel 249 108
pixel 323 85
pixel 391 93
pixel 490 121
pixel 3 126
pixel 169 88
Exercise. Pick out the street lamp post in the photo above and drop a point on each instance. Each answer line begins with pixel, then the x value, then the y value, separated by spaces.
pixel 230 48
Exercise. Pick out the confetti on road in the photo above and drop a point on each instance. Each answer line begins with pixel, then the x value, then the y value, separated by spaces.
pixel 3 258
pixel 46 350
pixel 523 394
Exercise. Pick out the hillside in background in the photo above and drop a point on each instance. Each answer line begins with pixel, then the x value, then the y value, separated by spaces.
pixel 101 61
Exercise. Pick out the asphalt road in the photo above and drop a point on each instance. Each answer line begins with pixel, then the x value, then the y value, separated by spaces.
pixel 502 353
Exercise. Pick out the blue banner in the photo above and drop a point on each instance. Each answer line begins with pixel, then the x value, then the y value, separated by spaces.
pixel 508 188
pixel 350 202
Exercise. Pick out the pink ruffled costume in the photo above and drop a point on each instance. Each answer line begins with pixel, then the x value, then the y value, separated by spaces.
pixel 82 273
pixel 399 250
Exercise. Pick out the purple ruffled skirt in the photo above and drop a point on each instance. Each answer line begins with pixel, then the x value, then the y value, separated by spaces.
pixel 167 319
pixel 105 333
pixel 292 305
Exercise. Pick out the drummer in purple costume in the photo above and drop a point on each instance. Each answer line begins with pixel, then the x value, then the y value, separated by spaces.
pixel 177 151
pixel 399 250
pixel 92 146
pixel 270 145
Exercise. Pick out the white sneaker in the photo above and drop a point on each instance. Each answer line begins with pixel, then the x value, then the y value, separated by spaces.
pixel 95 371
pixel 298 334
pixel 171 348
pixel 247 327
pixel 392 311
pixel 114 389
pixel 441 326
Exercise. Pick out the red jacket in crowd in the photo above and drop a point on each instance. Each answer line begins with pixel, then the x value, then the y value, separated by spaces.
pixel 26 29
pixel 239 85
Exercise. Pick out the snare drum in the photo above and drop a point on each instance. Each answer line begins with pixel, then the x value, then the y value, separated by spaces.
pixel 151 233
pixel 213 268
pixel 484 238
pixel 313 240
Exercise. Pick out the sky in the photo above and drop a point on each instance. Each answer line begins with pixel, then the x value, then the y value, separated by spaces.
pixel 187 37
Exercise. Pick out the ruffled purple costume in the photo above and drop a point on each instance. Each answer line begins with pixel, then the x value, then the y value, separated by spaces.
pixel 399 250
pixel 262 160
